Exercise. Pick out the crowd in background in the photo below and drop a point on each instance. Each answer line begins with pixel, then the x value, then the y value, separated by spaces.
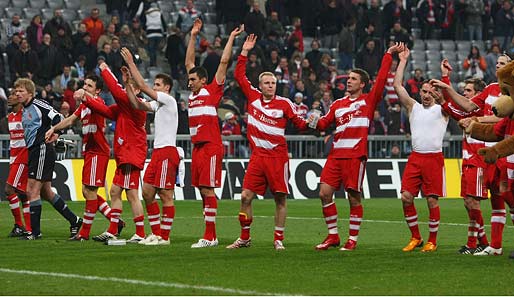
pixel 308 44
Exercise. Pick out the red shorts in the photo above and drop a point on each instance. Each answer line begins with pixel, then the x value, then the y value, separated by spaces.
pixel 95 167
pixel 266 171
pixel 18 176
pixel 127 176
pixel 206 165
pixel 161 172
pixel 472 182
pixel 425 171
pixel 349 172
pixel 494 174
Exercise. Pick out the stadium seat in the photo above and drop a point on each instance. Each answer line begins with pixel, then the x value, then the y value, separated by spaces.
pixel 25 23
pixel 173 17
pixel 210 17
pixel 55 4
pixel 10 11
pixel 47 14
pixel 461 56
pixel 30 12
pixel 210 29
pixel 82 14
pixel 69 15
pixel 433 45
pixel 433 55
pixel 72 4
pixel 449 54
pixel 37 4
pixel 211 6
pixel 448 45
pixel 20 3
pixel 419 45
pixel 463 45
pixel 418 55
pixel 166 6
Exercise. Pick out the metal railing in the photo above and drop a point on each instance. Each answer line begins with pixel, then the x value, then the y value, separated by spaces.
pixel 300 146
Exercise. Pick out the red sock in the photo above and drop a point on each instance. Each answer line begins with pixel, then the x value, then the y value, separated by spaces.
pixel 89 216
pixel 168 214
pixel 154 217
pixel 411 217
pixel 355 222
pixel 330 215
pixel 26 215
pixel 497 221
pixel 279 233
pixel 482 237
pixel 103 206
pixel 140 225
pixel 245 223
pixel 433 223
pixel 509 199
pixel 14 204
pixel 473 228
pixel 210 210
pixel 115 219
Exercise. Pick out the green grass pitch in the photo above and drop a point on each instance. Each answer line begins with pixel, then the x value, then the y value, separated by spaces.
pixel 54 266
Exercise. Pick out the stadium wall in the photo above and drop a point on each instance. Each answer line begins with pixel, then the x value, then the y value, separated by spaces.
pixel 382 179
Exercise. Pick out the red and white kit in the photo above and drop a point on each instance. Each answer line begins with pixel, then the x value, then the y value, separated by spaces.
pixel 425 167
pixel 162 169
pixel 346 161
pixel 204 129
pixel 19 156
pixel 95 147
pixel 267 120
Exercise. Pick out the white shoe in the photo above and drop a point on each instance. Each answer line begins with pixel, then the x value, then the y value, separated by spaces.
pixel 150 238
pixel 202 243
pixel 163 242
pixel 135 239
pixel 240 243
pixel 489 251
pixel 279 245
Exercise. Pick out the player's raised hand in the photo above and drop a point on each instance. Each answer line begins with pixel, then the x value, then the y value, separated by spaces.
pixel 79 94
pixel 127 55
pixel 439 84
pixel 249 42
pixel 437 96
pixel 197 26
pixel 404 55
pixel 396 48
pixel 237 31
pixel 49 134
pixel 125 74
pixel 446 68
pixel 103 66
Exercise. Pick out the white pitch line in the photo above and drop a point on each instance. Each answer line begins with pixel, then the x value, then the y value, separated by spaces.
pixel 136 282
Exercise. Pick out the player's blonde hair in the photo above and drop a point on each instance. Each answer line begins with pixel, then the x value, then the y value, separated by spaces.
pixel 27 84
pixel 267 73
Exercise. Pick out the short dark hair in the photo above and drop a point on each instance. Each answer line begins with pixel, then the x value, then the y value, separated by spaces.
pixel 200 71
pixel 166 79
pixel 98 81
pixel 426 81
pixel 363 74
pixel 478 84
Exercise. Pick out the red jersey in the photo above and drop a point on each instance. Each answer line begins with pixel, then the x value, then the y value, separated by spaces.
pixel 93 125
pixel 203 114
pixel 392 97
pixel 470 145
pixel 352 118
pixel 505 129
pixel 301 109
pixel 266 120
pixel 485 101
pixel 18 149
pixel 130 145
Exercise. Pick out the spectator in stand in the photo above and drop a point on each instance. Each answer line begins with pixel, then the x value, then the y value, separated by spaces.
pixel 273 24
pixel 155 28
pixel 67 96
pixel 295 64
pixel 374 15
pixel 396 152
pixel 430 15
pixel 77 37
pixel 448 26
pixel 473 16
pixel 311 85
pixel 490 60
pixel 231 12
pixel 297 24
pixel 369 33
pixel 347 39
pixel 230 127
pixel 94 25
pixel 510 50
pixel 326 101
pixel 271 62
pixel 254 21
pixel 78 69
pixel 314 56
pixel 394 10
pixel 86 48
pixel 475 65
pixel 128 39
pixel 399 34
pixel 413 85
pixel 175 52
pixel 56 22
pixel 186 17
pixel 14 27
pixel 331 21
pixel 306 69
pixel 504 24
pixel 49 95
pixel 253 69
pixel 300 107
pixel 394 125
pixel 390 94
pixel 459 23
pixel 377 125
pixel 64 45
pixel 116 59
pixel 25 61
pixel 106 37
pixel 299 88
pixel 140 35
pixel 183 118
pixel 35 32
pixel 61 81
pixel 48 58
pixel 368 58
pixel 11 49
pixel 211 62
pixel 323 70
pixel 283 67
pixel 115 19
pixel 322 87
